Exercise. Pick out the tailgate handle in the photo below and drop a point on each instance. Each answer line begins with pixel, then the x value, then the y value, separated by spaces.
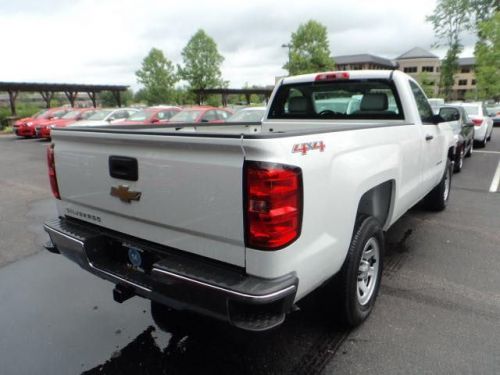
pixel 123 167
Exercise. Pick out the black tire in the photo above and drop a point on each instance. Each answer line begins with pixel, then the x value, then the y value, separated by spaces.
pixel 471 146
pixel 438 197
pixel 366 232
pixel 482 143
pixel 459 160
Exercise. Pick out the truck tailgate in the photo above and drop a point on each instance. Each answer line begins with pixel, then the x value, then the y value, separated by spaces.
pixel 190 189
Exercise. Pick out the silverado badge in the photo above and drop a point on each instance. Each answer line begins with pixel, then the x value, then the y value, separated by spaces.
pixel 124 194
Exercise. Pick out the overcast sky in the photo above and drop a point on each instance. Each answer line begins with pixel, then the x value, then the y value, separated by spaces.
pixel 104 41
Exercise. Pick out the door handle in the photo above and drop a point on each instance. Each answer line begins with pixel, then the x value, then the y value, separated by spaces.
pixel 429 137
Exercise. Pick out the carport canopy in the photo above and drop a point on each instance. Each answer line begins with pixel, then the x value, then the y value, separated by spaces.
pixel 47 91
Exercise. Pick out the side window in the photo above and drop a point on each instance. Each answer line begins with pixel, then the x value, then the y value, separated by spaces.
pixel 424 108
pixel 209 116
pixel 122 114
pixel 165 115
pixel 223 115
pixel 294 93
pixel 86 114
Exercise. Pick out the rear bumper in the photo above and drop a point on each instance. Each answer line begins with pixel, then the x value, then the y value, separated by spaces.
pixel 480 132
pixel 176 279
pixel 25 131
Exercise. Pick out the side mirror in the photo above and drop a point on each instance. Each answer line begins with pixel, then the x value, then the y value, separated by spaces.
pixel 155 121
pixel 437 119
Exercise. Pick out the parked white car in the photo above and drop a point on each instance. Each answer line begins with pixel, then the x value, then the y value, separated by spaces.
pixel 107 116
pixel 249 114
pixel 483 123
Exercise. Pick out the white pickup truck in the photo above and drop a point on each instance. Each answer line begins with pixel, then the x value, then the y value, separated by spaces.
pixel 240 221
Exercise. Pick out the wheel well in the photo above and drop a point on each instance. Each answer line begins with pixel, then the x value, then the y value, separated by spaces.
pixel 376 202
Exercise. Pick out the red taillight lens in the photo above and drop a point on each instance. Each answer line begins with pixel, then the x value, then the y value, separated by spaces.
pixel 273 205
pixel 52 171
pixel 477 121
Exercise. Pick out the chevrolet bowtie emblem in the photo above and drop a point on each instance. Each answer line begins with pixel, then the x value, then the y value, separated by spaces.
pixel 124 194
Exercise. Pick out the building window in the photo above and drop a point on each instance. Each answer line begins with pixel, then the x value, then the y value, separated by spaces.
pixel 473 83
pixel 410 69
pixel 465 70
pixel 462 82
pixel 429 69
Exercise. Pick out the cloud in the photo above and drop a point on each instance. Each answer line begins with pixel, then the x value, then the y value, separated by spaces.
pixel 104 41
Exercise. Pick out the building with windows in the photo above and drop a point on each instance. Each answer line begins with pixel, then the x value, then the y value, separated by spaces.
pixel 422 65
pixel 465 79
pixel 362 62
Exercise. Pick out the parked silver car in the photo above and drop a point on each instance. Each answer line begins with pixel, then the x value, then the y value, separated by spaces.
pixel 483 123
pixel 107 116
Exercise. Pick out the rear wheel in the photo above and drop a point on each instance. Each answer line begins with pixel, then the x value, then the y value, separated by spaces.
pixel 437 199
pixel 459 161
pixel 469 151
pixel 482 143
pixel 362 270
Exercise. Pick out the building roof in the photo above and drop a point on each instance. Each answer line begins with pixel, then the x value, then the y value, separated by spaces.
pixel 465 61
pixel 417 53
pixel 362 58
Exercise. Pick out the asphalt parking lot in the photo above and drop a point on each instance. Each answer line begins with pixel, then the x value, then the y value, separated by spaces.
pixel 438 310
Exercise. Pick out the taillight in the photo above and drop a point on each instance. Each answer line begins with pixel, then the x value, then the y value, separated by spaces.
pixel 477 121
pixel 273 205
pixel 52 171
pixel 331 76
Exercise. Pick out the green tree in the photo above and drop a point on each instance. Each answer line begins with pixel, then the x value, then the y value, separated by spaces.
pixel 107 98
pixel 157 75
pixel 427 84
pixel 202 63
pixel 309 50
pixel 449 20
pixel 488 59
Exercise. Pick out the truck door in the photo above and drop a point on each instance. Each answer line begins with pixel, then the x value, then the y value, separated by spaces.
pixel 432 141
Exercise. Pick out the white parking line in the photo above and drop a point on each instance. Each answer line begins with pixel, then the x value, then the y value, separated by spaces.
pixel 486 152
pixel 496 180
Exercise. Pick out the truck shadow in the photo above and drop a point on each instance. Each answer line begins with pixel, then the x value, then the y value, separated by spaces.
pixel 304 344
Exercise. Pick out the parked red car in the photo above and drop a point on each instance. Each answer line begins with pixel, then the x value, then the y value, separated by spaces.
pixel 202 114
pixel 31 118
pixel 152 115
pixel 76 114
pixel 28 129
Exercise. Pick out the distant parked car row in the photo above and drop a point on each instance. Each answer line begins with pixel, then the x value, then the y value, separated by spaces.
pixel 41 123
pixel 471 124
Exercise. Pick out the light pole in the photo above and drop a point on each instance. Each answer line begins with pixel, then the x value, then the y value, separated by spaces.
pixel 289 46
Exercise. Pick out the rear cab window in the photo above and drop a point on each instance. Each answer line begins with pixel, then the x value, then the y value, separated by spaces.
pixel 343 99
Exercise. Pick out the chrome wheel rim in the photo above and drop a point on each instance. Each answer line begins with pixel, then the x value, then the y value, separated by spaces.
pixel 461 160
pixel 446 191
pixel 368 271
